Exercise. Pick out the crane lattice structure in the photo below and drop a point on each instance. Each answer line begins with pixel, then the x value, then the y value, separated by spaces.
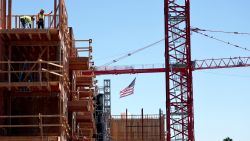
pixel 178 68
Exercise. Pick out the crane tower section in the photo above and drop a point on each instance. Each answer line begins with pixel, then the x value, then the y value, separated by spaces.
pixel 179 94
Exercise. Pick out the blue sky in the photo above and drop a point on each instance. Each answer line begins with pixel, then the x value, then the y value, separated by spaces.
pixel 221 97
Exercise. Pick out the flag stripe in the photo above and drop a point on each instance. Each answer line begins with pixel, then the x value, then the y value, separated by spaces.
pixel 128 90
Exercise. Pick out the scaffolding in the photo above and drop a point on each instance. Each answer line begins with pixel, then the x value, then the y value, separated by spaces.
pixel 43 93
pixel 103 111
pixel 107 109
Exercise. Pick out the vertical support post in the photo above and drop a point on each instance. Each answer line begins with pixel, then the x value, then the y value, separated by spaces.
pixel 126 124
pixel 9 75
pixel 55 11
pixel 60 13
pixel 40 71
pixel 189 74
pixel 48 66
pixel 9 67
pixel 142 135
pixel 167 69
pixel 17 21
pixel 3 14
pixel 160 125
pixel 9 13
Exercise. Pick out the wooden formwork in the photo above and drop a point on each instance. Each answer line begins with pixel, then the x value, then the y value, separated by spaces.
pixel 81 104
pixel 42 91
pixel 137 128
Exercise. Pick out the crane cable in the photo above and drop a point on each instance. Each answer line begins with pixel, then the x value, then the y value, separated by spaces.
pixel 194 29
pixel 228 43
pixel 219 31
pixel 132 52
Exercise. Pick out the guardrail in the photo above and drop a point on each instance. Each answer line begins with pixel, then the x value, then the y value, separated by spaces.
pixel 48 22
pixel 29 71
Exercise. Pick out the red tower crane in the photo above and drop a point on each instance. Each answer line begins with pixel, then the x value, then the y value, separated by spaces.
pixel 179 89
pixel 178 70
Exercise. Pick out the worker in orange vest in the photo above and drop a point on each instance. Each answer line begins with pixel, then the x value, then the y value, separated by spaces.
pixel 40 18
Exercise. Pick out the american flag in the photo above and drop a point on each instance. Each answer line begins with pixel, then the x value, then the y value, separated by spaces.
pixel 128 90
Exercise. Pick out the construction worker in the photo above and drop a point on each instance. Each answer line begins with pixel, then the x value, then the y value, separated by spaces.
pixel 26 21
pixel 40 18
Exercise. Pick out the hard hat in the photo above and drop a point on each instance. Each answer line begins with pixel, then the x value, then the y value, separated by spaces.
pixel 41 11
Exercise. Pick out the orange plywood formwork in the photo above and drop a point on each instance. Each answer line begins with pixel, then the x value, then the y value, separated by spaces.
pixel 137 127
pixel 31 35
pixel 87 125
pixel 82 104
pixel 86 132
pixel 79 63
pixel 84 82
pixel 84 117
pixel 78 106
pixel 84 94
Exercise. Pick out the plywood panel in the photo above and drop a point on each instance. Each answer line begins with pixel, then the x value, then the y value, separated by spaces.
pixel 134 129
pixel 78 106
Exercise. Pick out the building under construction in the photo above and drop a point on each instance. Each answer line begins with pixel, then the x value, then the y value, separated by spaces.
pixel 42 92
pixel 44 96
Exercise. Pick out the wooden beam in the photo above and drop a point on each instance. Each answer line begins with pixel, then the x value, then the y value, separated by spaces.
pixel 55 11
pixel 48 36
pixel 84 117
pixel 40 55
pixel 19 93
pixel 2 37
pixel 87 132
pixel 60 13
pixel 4 15
pixel 78 106
pixel 28 84
pixel 39 35
pixel 30 35
pixel 33 71
pixel 33 43
pixel 84 80
pixel 87 125
pixel 17 36
pixel 30 62
pixel 52 72
pixel 28 138
pixel 32 31
pixel 9 13
pixel 9 36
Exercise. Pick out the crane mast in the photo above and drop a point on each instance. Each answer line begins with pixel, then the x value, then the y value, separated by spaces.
pixel 179 91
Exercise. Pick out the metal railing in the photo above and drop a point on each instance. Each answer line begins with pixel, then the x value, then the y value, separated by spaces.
pixel 48 22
